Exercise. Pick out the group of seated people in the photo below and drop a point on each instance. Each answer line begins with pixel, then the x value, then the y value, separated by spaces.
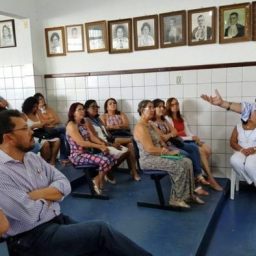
pixel 106 141
pixel 31 189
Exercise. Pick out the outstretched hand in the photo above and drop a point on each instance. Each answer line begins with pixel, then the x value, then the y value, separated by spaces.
pixel 214 100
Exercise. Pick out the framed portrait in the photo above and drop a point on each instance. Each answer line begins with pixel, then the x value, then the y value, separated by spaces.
pixel 7 34
pixel 145 32
pixel 253 21
pixel 173 29
pixel 120 36
pixel 55 41
pixel 235 23
pixel 96 36
pixel 75 38
pixel 202 26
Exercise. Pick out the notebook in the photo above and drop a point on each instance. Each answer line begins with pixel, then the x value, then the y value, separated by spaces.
pixel 173 157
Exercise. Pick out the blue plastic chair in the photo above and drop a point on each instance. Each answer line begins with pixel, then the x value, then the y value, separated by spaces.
pixel 156 176
pixel 87 169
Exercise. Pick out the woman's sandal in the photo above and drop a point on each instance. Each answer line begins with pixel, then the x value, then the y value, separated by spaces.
pixel 201 192
pixel 197 200
pixel 135 177
pixel 214 185
pixel 179 203
pixel 97 190
pixel 200 179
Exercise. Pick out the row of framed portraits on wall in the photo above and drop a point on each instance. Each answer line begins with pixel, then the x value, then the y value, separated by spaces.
pixel 195 27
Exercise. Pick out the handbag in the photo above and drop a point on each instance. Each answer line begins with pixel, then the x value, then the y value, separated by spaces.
pixel 177 141
pixel 45 133
pixel 120 132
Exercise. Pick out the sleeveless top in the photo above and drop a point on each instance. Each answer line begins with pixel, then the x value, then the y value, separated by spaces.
pixel 180 127
pixel 113 120
pixel 165 129
pixel 155 140
pixel 76 149
pixel 246 138
pixel 162 126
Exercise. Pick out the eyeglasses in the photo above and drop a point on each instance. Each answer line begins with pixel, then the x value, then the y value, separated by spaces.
pixel 20 129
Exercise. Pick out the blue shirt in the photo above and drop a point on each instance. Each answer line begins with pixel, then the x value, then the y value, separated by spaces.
pixel 17 179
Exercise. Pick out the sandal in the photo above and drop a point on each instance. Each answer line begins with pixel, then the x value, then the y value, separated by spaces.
pixel 214 185
pixel 179 203
pixel 97 190
pixel 135 177
pixel 201 192
pixel 197 200
pixel 202 180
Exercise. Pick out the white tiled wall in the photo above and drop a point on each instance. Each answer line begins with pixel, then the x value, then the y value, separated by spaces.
pixel 18 82
pixel 212 124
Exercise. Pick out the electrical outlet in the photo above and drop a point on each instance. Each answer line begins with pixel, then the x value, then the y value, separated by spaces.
pixel 178 79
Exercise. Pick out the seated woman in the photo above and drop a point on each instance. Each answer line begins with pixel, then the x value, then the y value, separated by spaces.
pixel 243 141
pixel 152 147
pixel 82 144
pixel 47 114
pixel 91 108
pixel 168 134
pixel 113 119
pixel 50 147
pixel 174 117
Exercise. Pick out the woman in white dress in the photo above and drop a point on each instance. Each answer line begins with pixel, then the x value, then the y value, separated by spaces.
pixel 243 141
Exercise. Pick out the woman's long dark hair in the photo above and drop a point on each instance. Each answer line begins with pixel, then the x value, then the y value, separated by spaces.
pixel 29 104
pixel 156 103
pixel 117 112
pixel 87 104
pixel 168 109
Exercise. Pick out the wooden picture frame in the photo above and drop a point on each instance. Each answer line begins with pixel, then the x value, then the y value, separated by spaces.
pixel 238 16
pixel 7 34
pixel 75 38
pixel 55 41
pixel 96 36
pixel 253 11
pixel 145 32
pixel 173 29
pixel 120 36
pixel 202 26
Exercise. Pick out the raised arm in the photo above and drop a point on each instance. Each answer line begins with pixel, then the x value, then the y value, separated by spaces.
pixel 218 101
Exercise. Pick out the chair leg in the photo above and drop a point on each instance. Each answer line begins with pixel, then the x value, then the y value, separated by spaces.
pixel 159 191
pixel 92 193
pixel 232 184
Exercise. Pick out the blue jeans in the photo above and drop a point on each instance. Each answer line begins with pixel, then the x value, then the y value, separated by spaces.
pixel 62 135
pixel 190 150
pixel 64 237
pixel 36 148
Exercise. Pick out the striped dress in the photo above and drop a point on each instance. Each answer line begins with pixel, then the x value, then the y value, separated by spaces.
pixel 81 156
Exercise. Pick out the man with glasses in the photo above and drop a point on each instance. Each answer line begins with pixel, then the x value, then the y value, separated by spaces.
pixel 30 192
